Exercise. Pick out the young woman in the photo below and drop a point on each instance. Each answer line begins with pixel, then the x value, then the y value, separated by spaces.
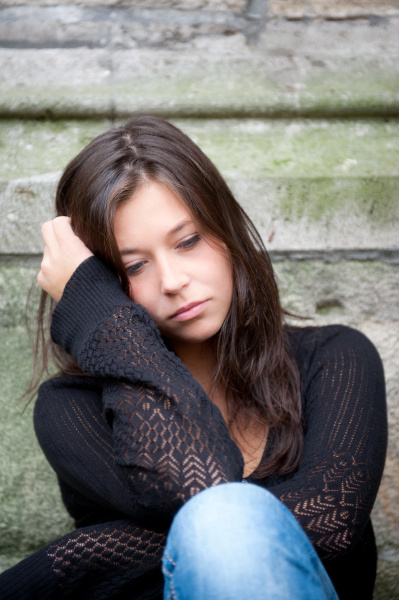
pixel 185 413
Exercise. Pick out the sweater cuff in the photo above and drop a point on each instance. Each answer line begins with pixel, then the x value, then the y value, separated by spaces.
pixel 89 297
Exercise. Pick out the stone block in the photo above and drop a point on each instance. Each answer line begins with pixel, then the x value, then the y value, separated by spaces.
pixel 19 293
pixel 344 9
pixel 301 148
pixel 333 9
pixel 31 510
pixel 387 583
pixel 350 292
pixel 275 84
pixel 236 5
pixel 292 9
pixel 66 26
pixel 291 70
pixel 46 82
pixel 32 148
pixel 329 40
pixel 339 215
pixel 309 184
pixel 20 200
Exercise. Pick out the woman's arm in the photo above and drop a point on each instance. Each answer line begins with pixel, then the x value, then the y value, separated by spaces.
pixel 110 554
pixel 334 490
pixel 169 440
pixel 77 441
pixel 117 559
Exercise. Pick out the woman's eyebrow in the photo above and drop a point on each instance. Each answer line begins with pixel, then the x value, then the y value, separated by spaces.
pixel 170 233
pixel 179 227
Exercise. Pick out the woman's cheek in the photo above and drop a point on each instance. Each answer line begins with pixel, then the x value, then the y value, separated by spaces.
pixel 143 295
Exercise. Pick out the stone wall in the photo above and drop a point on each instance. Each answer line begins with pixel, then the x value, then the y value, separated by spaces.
pixel 297 102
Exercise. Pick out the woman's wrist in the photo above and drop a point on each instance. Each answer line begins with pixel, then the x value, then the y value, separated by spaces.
pixel 88 298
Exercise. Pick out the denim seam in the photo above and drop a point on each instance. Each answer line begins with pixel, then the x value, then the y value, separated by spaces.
pixel 172 595
pixel 169 558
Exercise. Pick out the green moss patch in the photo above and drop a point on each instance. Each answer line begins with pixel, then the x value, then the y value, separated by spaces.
pixel 32 513
pixel 377 198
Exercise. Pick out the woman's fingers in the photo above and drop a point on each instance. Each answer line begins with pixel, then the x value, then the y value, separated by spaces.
pixel 58 232
pixel 63 253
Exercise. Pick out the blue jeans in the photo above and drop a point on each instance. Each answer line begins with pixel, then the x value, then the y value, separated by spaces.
pixel 236 541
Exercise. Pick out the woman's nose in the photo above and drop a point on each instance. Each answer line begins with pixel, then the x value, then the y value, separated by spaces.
pixel 173 276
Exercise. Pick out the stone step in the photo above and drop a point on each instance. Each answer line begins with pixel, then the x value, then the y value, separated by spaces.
pixel 255 147
pixel 68 25
pixel 290 69
pixel 309 185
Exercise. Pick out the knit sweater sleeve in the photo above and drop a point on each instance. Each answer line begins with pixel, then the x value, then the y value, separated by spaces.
pixel 169 440
pixel 345 421
pixel 111 554
pixel 109 560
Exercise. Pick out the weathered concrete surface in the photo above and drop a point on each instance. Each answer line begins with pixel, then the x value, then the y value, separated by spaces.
pixel 333 9
pixel 292 69
pixel 31 148
pixel 85 83
pixel 310 185
pixel 387 583
pixel 247 147
pixel 69 26
pixel 237 5
pixel 66 26
pixel 31 511
pixel 281 8
pixel 353 214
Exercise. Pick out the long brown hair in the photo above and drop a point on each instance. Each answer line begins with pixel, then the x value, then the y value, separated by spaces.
pixel 254 364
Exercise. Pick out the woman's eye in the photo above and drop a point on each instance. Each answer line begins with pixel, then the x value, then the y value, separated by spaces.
pixel 190 242
pixel 136 268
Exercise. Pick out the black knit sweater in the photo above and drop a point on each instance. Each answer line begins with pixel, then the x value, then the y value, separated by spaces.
pixel 138 437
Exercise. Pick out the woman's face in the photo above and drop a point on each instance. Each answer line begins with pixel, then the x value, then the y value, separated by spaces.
pixel 183 278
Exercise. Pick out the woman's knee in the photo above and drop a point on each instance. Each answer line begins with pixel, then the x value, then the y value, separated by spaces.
pixel 237 537
pixel 227 512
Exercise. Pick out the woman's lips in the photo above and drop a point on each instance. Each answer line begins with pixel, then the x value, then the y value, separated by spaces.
pixel 189 311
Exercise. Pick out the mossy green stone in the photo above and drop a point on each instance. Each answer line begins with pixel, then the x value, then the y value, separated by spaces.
pixel 187 84
pixel 375 198
pixel 18 292
pixel 32 513
pixel 247 147
pixel 30 147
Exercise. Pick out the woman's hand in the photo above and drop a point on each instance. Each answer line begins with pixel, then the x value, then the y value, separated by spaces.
pixel 63 253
